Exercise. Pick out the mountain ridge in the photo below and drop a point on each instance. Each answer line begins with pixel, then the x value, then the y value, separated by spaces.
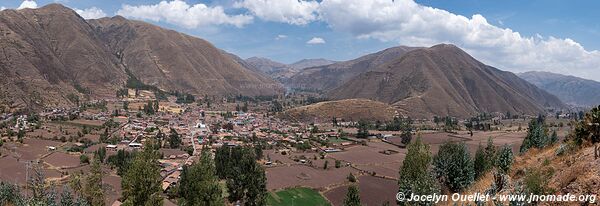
pixel 443 80
pixel 572 90
pixel 53 57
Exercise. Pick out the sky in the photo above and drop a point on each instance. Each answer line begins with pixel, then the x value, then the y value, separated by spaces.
pixel 558 36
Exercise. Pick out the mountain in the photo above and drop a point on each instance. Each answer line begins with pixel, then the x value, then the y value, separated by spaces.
pixel 51 56
pixel 266 65
pixel 331 76
pixel 50 53
pixel 571 90
pixel 306 63
pixel 444 80
pixel 174 61
pixel 278 71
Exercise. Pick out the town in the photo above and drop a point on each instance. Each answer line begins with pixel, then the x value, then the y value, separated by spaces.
pixel 319 157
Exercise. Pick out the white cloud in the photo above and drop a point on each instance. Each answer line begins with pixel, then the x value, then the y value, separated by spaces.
pixel 180 13
pixel 280 36
pixel 91 13
pixel 28 4
pixel 316 40
pixel 2 8
pixel 297 12
pixel 408 23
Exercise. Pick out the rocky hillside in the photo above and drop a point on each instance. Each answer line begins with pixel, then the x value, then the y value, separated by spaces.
pixel 571 90
pixel 50 55
pixel 444 80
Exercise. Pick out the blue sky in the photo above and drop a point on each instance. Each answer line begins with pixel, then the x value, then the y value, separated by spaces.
pixel 548 35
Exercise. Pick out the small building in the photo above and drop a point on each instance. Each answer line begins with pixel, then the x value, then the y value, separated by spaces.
pixel 135 145
pixel 111 147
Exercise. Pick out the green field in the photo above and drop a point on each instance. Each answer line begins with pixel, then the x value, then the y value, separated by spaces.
pixel 296 196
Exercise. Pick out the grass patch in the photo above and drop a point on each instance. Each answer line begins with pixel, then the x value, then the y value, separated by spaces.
pixel 296 196
pixel 337 140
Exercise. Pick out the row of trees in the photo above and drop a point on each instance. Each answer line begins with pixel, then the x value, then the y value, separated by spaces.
pixel 80 190
pixel 452 168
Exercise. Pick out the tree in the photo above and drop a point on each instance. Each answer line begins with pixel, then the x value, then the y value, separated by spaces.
pixel 256 188
pixel 414 176
pixel 406 137
pixel 363 129
pixel 66 198
pixel 100 154
pixel 352 196
pixel 121 161
pixel 141 182
pixel 174 139
pixel 92 190
pixel 537 135
pixel 480 162
pixel 36 183
pixel 453 166
pixel 504 159
pixel 245 178
pixel 199 184
pixel 553 137
pixel 10 194
pixel 485 159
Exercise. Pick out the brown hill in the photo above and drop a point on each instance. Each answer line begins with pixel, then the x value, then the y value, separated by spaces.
pixel 49 52
pixel 331 76
pixel 50 55
pixel 175 61
pixel 444 80
pixel 348 109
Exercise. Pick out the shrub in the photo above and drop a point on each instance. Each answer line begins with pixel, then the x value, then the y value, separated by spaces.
pixel 504 159
pixel 351 177
pixel 453 166
pixel 84 159
pixel 536 182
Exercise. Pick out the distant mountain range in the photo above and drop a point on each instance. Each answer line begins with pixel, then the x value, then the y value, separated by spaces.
pixel 571 90
pixel 51 54
pixel 422 82
pixel 282 72
pixel 307 63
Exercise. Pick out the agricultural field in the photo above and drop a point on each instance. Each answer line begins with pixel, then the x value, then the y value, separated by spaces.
pixel 296 196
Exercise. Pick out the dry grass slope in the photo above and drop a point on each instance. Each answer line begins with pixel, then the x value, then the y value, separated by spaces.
pixel 348 109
